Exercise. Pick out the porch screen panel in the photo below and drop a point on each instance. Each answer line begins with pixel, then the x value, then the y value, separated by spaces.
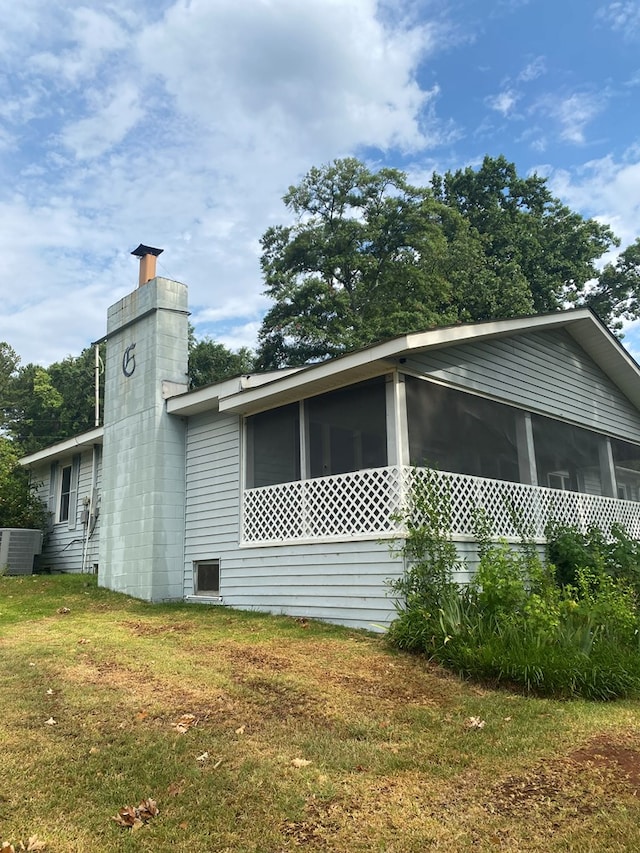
pixel 458 432
pixel 347 429
pixel 273 447
pixel 567 457
pixel 626 459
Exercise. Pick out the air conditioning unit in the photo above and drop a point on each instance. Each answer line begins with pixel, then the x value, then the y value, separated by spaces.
pixel 17 550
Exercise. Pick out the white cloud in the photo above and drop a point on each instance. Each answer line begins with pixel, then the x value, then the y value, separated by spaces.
pixel 118 112
pixel 534 69
pixel 622 16
pixel 606 189
pixel 572 113
pixel 93 35
pixel 504 102
pixel 307 75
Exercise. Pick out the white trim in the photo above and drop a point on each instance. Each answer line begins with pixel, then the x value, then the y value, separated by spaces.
pixel 85 439
pixel 255 393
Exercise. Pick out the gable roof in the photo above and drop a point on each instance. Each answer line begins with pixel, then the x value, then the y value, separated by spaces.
pixel 245 395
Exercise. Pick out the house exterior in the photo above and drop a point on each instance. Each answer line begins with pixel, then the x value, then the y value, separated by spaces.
pixel 280 491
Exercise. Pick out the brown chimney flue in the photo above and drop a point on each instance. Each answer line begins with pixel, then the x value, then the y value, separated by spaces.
pixel 147 255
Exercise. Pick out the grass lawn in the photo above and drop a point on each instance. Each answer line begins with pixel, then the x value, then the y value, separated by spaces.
pixel 257 733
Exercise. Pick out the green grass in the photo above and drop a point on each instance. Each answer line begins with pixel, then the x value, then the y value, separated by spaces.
pixel 396 762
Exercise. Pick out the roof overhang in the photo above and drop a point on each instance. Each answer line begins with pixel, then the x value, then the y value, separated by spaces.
pixel 64 448
pixel 252 394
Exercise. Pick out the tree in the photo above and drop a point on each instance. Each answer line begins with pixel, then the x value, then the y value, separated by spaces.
pixel 9 362
pixel 19 505
pixel 210 361
pixel 615 296
pixel 42 405
pixel 370 256
pixel 521 224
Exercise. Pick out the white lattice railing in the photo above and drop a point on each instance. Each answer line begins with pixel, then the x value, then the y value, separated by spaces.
pixel 364 503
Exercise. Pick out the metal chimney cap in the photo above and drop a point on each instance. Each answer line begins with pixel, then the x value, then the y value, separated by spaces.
pixel 143 250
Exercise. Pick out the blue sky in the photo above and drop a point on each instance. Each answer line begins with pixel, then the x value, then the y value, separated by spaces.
pixel 182 124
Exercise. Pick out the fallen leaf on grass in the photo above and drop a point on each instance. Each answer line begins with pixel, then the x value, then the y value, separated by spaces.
pixel 185 722
pixel 176 788
pixel 50 722
pixel 133 817
pixel 83 642
pixel 301 762
pixel 33 845
pixel 63 610
pixel 474 723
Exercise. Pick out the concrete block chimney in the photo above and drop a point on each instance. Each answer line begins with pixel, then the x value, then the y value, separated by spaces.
pixel 147 255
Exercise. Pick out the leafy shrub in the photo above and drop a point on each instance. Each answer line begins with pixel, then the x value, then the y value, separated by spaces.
pixel 567 633
pixel 569 550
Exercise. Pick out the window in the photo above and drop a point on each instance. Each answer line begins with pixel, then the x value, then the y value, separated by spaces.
pixel 567 457
pixel 559 480
pixel 273 446
pixel 347 429
pixel 462 433
pixel 65 493
pixel 206 579
pixel 626 460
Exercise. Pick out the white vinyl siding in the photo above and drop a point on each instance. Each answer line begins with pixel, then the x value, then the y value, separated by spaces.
pixel 64 543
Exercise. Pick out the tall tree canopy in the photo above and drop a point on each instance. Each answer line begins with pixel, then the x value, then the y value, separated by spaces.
pixel 42 405
pixel 371 256
pixel 211 361
pixel 19 504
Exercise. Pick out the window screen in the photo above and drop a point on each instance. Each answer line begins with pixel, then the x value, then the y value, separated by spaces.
pixel 567 457
pixel 347 429
pixel 626 459
pixel 273 446
pixel 207 577
pixel 458 432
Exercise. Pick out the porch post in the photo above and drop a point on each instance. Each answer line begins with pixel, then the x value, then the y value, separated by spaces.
pixel 607 468
pixel 526 451
pixel 397 427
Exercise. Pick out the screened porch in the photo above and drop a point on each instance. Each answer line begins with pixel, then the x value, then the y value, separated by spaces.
pixel 341 465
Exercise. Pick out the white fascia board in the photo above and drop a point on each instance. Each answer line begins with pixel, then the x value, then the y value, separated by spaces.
pixel 316 378
pixel 62 448
pixel 380 358
pixel 207 398
pixel 254 393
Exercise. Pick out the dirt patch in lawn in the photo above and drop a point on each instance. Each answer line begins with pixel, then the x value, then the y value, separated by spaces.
pixel 577 784
pixel 372 678
pixel 619 755
pixel 151 629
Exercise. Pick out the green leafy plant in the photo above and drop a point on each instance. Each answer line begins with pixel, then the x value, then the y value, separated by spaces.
pixel 520 621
